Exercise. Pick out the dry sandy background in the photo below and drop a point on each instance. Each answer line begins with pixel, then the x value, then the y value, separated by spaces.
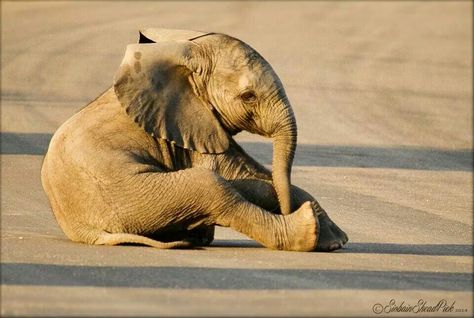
pixel 382 92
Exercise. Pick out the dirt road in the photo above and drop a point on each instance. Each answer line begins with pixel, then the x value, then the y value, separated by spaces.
pixel 382 93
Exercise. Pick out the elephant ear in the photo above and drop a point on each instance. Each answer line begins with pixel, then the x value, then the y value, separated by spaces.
pixel 155 84
pixel 155 35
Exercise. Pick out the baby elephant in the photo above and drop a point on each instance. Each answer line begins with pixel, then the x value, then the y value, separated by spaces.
pixel 152 160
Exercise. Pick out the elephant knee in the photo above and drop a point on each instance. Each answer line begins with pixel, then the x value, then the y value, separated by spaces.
pixel 206 178
pixel 215 188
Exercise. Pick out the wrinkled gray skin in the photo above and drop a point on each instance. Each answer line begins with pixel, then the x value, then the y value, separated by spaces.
pixel 152 160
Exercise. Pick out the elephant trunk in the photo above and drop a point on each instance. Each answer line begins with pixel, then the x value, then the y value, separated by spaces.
pixel 284 146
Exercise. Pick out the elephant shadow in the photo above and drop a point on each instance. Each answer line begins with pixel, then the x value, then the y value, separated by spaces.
pixel 236 244
pixel 372 248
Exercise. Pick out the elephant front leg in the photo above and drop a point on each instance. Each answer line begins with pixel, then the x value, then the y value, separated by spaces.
pixel 196 197
pixel 262 193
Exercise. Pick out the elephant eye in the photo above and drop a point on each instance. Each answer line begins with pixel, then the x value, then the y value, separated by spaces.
pixel 248 97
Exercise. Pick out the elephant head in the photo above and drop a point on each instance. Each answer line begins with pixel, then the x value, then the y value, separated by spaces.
pixel 197 89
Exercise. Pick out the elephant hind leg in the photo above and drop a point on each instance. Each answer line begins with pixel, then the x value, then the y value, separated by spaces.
pixel 106 238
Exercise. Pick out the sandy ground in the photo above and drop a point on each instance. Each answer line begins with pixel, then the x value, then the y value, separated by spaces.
pixel 382 92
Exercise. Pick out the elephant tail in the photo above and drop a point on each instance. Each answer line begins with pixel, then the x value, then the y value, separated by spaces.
pixel 106 238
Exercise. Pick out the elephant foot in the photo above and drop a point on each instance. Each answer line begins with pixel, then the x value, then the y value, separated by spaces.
pixel 304 226
pixel 331 237
pixel 201 236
